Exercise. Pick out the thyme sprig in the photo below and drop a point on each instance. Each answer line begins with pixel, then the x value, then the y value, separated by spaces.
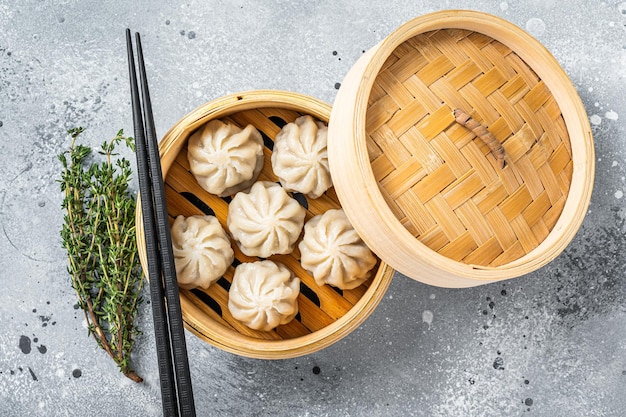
pixel 99 236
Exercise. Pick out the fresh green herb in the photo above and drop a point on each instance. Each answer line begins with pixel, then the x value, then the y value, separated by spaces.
pixel 99 236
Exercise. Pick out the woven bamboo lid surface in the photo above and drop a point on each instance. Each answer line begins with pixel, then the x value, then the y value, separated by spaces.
pixel 326 314
pixel 429 196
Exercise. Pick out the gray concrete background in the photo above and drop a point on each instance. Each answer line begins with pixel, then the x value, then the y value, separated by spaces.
pixel 552 343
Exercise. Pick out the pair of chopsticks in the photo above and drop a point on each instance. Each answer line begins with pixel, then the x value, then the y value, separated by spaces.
pixel 174 375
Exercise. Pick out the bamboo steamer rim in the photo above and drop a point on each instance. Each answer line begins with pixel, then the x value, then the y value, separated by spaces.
pixel 358 189
pixel 211 331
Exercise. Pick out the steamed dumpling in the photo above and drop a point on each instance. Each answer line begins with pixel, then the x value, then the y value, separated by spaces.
pixel 265 221
pixel 202 251
pixel 263 295
pixel 225 159
pixel 300 157
pixel 333 252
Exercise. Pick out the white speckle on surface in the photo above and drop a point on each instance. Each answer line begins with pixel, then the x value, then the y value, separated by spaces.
pixel 595 119
pixel 427 317
pixel 535 26
pixel 504 6
pixel 432 296
pixel 611 115
pixel 590 89
pixel 614 164
pixel 619 194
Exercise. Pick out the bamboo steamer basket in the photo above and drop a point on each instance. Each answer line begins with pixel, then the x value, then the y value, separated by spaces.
pixel 423 192
pixel 326 314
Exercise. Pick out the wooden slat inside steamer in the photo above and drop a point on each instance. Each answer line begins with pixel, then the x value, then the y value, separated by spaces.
pixel 438 178
pixel 318 306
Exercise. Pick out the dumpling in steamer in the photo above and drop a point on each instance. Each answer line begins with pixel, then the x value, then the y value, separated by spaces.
pixel 202 251
pixel 266 220
pixel 263 295
pixel 300 157
pixel 332 251
pixel 225 159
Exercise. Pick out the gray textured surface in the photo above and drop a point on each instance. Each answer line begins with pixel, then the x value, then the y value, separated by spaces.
pixel 552 343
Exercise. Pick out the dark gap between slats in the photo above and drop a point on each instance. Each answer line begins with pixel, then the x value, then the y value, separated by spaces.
pixel 278 121
pixel 298 317
pixel 208 300
pixel 223 282
pixel 201 205
pixel 301 198
pixel 337 290
pixel 310 294
pixel 269 143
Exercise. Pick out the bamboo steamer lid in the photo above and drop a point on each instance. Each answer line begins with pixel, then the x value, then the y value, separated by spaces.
pixel 423 191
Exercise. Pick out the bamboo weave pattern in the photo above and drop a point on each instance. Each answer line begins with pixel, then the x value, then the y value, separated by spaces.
pixel 438 178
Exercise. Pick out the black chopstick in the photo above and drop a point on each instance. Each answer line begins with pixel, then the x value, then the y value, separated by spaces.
pixel 176 388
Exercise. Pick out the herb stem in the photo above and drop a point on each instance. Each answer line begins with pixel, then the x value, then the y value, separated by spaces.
pixel 99 236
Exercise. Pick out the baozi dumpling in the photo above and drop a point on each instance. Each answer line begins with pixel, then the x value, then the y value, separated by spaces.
pixel 263 295
pixel 225 159
pixel 332 251
pixel 265 221
pixel 300 157
pixel 202 251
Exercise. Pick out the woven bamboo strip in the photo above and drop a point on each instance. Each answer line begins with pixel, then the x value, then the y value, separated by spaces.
pixel 485 254
pixel 391 146
pixel 445 217
pixel 483 111
pixel 463 189
pixel 502 228
pixel 529 117
pixel 422 93
pixel 500 130
pixel 540 230
pixel 515 89
pixel 448 152
pixel 391 85
pixel 489 197
pixel 537 209
pixel 435 69
pixel 528 172
pixel 434 183
pixel 421 150
pixel 524 234
pixel 474 222
pixel 415 211
pixel 460 247
pixel 405 118
pixel 463 74
pixel 407 64
pixel 431 125
pixel 445 42
pixel 381 166
pixel 460 135
pixel 435 238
